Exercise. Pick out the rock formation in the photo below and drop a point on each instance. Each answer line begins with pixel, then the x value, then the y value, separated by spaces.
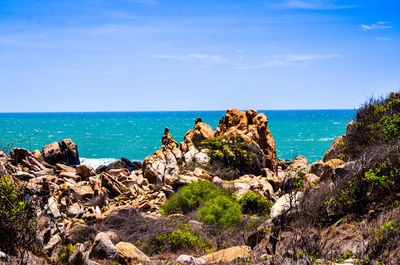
pixel 253 126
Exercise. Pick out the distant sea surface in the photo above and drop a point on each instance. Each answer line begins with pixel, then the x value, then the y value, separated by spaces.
pixel 105 136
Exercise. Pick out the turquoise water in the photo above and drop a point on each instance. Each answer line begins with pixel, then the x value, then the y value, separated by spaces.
pixel 135 135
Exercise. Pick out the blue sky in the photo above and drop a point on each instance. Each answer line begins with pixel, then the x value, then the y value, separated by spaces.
pixel 128 55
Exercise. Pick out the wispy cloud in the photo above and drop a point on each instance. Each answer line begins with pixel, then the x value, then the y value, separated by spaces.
pixel 192 57
pixel 289 60
pixel 383 39
pixel 309 4
pixel 377 25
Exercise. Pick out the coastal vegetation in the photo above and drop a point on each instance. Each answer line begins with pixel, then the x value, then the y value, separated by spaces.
pixel 221 196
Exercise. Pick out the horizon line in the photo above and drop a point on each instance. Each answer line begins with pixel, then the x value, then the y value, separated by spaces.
pixel 143 111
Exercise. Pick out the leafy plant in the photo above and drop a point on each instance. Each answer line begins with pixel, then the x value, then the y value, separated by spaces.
pixel 16 217
pixel 254 203
pixel 179 239
pixel 191 196
pixel 65 253
pixel 234 152
pixel 221 211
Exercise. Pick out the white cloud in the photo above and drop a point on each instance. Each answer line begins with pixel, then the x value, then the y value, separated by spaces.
pixel 309 4
pixel 377 25
pixel 289 60
pixel 384 39
pixel 192 57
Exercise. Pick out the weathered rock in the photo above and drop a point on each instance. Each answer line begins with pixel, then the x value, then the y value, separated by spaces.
pixel 65 168
pixel 202 174
pixel 311 180
pixel 85 191
pixel 329 169
pixel 252 126
pixel 112 184
pixel 271 177
pixel 103 248
pixel 26 159
pixel 190 260
pixel 77 257
pixel 21 175
pixel 116 165
pixel 335 149
pixel 54 240
pixel 227 255
pixel 38 155
pixel 129 253
pixel 195 136
pixel 317 168
pixel 69 175
pixel 285 204
pixel 52 206
pixel 64 152
pixel 86 171
pixel 162 167
pixel 201 158
pixel 75 210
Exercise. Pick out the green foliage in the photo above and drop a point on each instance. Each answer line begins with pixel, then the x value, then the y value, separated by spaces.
pixel 349 254
pixel 390 226
pixel 254 203
pixel 179 239
pixel 299 181
pixel 16 222
pixel 377 123
pixel 191 196
pixel 375 177
pixel 65 253
pixel 219 206
pixel 234 152
pixel 221 211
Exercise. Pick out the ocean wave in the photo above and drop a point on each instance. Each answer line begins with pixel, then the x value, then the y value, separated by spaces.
pixel 326 139
pixel 96 162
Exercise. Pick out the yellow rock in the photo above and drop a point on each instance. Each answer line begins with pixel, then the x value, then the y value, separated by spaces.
pixel 130 254
pixel 228 254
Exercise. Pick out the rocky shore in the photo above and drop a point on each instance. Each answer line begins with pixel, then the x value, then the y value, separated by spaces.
pixel 114 214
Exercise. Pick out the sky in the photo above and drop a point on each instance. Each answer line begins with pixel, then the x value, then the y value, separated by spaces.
pixel 144 55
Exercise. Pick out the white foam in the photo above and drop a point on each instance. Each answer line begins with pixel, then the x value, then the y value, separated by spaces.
pixel 96 162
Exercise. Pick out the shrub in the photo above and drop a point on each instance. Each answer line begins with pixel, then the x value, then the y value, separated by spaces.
pixel 254 203
pixel 221 211
pixel 179 239
pixel 65 253
pixel 235 153
pixel 16 217
pixel 191 196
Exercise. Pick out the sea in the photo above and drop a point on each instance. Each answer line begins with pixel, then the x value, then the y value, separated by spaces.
pixel 103 137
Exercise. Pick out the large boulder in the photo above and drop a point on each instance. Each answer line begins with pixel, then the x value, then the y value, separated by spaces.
pixel 200 132
pixel 227 255
pixel 103 247
pixel 253 126
pixel 163 166
pixel 26 159
pixel 285 204
pixel 64 152
pixel 128 253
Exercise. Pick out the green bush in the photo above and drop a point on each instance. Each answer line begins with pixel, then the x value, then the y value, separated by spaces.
pixel 221 211
pixel 235 153
pixel 191 196
pixel 179 239
pixel 16 217
pixel 254 203
pixel 219 206
pixel 65 253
